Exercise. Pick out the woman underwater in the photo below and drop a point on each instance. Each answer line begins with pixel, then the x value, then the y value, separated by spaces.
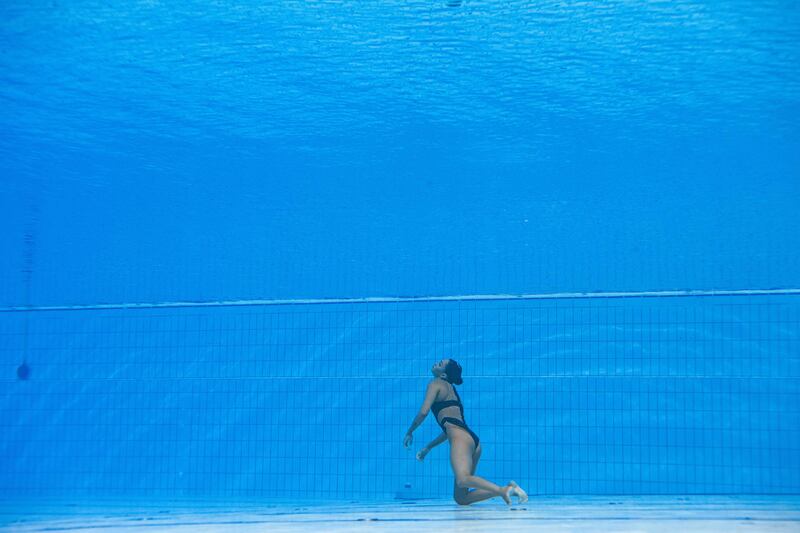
pixel 465 448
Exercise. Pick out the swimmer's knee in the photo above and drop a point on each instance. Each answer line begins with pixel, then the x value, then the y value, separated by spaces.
pixel 461 482
pixel 460 496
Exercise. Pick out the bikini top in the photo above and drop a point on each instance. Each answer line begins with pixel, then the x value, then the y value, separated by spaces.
pixel 438 406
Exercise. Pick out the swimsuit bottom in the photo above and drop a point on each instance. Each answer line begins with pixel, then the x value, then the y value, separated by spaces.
pixel 460 424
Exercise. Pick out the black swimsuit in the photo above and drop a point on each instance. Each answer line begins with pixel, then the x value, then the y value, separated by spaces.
pixel 438 406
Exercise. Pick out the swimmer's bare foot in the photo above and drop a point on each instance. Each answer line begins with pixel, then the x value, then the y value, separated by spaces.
pixel 521 494
pixel 505 492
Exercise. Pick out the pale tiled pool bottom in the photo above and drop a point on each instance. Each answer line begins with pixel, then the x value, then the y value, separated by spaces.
pixel 591 513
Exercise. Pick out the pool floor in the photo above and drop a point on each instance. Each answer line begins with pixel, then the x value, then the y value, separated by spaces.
pixel 552 513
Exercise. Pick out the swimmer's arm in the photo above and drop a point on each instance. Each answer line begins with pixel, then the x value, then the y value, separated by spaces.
pixel 437 441
pixel 430 397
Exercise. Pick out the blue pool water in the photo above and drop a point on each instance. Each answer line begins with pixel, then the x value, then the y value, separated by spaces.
pixel 228 151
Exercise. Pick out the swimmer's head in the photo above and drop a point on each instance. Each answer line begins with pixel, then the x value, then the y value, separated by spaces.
pixel 449 370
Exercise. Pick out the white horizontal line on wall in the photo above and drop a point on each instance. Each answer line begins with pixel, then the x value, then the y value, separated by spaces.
pixel 373 378
pixel 410 299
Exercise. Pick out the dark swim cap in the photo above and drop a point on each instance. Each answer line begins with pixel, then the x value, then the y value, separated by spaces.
pixel 453 371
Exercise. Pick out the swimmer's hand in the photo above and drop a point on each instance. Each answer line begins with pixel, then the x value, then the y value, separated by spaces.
pixel 408 440
pixel 421 454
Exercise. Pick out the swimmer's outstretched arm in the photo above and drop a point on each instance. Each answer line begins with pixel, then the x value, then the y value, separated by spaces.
pixel 431 445
pixel 430 397
pixel 437 441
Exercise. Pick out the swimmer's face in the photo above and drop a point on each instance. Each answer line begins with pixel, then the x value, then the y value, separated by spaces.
pixel 438 368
